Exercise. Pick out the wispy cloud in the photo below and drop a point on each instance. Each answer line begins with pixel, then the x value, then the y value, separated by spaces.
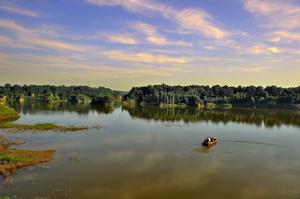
pixel 150 32
pixel 251 69
pixel 193 20
pixel 62 64
pixel 153 37
pixel 30 38
pixel 277 14
pixel 18 10
pixel 54 44
pixel 263 49
pixel 143 57
pixel 123 39
pixel 288 36
pixel 201 22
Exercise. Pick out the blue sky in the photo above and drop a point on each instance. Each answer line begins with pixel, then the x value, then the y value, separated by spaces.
pixel 121 44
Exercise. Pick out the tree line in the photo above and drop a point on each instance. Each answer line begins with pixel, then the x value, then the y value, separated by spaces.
pixel 194 94
pixel 48 93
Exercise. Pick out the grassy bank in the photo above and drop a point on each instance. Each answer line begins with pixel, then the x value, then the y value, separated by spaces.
pixel 13 159
pixel 43 127
pixel 7 113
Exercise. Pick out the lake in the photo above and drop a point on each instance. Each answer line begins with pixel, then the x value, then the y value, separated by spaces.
pixel 156 153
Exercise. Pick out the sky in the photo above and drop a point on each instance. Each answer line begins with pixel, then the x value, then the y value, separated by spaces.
pixel 124 43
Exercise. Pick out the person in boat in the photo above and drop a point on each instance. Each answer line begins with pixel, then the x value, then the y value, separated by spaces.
pixel 210 139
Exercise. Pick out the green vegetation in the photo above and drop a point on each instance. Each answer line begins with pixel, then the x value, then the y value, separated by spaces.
pixel 105 100
pixel 158 95
pixel 220 95
pixel 47 93
pixel 226 106
pixel 7 156
pixel 14 197
pixel 4 143
pixel 43 127
pixel 7 113
pixel 12 159
pixel 210 105
pixel 128 103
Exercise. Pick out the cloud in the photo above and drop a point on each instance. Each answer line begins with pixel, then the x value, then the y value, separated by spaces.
pixel 262 49
pixel 12 25
pixel 31 38
pixel 193 20
pixel 150 32
pixel 278 14
pixel 253 69
pixel 199 21
pixel 153 37
pixel 123 39
pixel 143 57
pixel 54 44
pixel 79 65
pixel 18 10
pixel 285 35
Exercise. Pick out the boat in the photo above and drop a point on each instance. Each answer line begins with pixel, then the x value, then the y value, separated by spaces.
pixel 208 144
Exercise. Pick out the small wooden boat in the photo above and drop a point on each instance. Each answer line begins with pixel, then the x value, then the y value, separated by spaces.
pixel 208 144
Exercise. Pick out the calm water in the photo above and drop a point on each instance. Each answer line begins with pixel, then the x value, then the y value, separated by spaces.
pixel 156 153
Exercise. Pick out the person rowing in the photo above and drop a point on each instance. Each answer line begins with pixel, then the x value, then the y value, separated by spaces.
pixel 209 141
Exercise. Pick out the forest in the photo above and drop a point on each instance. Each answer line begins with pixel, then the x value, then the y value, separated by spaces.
pixel 194 95
pixel 48 93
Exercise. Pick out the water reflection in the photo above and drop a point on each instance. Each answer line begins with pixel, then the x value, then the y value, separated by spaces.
pixel 82 109
pixel 139 158
pixel 259 117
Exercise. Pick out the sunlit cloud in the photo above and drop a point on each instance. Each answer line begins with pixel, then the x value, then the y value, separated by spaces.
pixel 18 10
pixel 77 65
pixel 285 36
pixel 143 57
pixel 199 21
pixel 153 37
pixel 150 32
pixel 31 37
pixel 12 25
pixel 253 69
pixel 123 39
pixel 55 45
pixel 193 20
pixel 277 14
pixel 263 49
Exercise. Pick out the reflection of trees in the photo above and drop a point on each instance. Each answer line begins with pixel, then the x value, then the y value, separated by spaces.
pixel 102 108
pixel 269 117
pixel 62 107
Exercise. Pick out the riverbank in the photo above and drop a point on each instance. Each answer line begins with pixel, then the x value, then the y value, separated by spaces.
pixel 7 113
pixel 13 159
pixel 44 127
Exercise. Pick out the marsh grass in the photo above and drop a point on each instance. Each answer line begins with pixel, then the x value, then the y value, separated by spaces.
pixel 13 159
pixel 14 197
pixel 10 157
pixel 44 127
